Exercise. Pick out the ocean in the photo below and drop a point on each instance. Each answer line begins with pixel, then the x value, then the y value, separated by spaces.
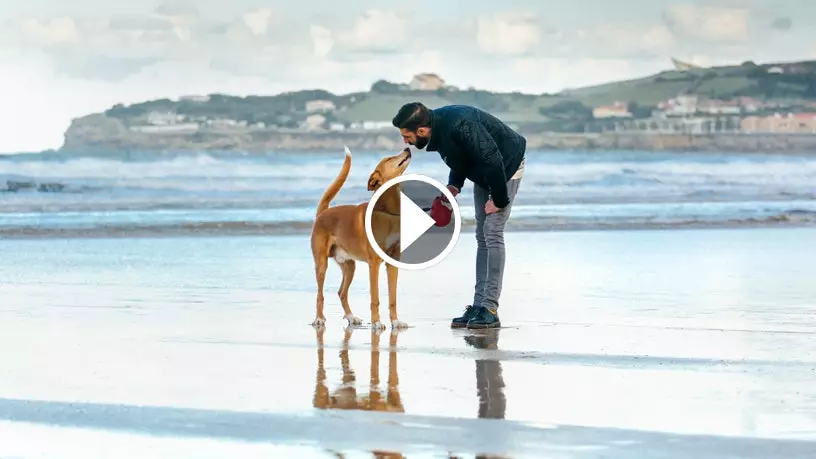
pixel 560 189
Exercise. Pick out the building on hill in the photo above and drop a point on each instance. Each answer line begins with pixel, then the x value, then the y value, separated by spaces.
pixel 426 82
pixel 719 107
pixel 166 118
pixel 616 110
pixel 314 122
pixel 320 106
pixel 749 104
pixel 682 105
pixel 790 123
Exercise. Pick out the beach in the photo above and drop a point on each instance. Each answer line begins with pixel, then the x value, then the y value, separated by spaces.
pixel 615 344
pixel 655 305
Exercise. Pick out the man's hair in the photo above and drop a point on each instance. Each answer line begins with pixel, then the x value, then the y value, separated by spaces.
pixel 412 116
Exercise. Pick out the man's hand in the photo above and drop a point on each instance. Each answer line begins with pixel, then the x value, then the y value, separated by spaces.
pixel 490 208
pixel 454 191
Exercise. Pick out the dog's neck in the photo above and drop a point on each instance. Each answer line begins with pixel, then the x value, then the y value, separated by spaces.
pixel 389 202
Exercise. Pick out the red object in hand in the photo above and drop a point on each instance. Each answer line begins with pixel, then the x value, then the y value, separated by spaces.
pixel 441 211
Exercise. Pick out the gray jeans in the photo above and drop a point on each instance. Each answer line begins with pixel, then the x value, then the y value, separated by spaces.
pixel 490 246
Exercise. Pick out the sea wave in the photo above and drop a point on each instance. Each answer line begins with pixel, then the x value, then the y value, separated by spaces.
pixel 57 183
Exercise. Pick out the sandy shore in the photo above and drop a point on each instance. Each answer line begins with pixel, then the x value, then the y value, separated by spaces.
pixel 254 228
pixel 629 344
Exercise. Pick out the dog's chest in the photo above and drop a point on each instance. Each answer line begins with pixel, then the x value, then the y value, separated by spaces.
pixel 341 256
pixel 392 240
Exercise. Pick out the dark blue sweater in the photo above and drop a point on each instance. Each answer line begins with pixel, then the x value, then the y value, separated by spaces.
pixel 476 146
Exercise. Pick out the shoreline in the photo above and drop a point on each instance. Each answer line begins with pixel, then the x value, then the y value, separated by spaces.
pixel 250 142
pixel 250 229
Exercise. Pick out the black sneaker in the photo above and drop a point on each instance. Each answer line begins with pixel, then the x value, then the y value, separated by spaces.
pixel 461 322
pixel 485 318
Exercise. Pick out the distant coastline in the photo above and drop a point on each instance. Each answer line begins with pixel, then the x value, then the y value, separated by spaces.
pixel 744 108
pixel 91 136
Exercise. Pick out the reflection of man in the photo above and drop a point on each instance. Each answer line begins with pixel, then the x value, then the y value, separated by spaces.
pixel 489 380
pixel 476 146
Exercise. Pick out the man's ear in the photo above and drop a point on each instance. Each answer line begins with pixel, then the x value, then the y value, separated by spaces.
pixel 423 131
pixel 374 180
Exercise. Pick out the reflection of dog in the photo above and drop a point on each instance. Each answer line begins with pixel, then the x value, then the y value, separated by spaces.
pixel 339 233
pixel 346 397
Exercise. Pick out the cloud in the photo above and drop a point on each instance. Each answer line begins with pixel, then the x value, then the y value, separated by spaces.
pixel 564 72
pixel 509 34
pixel 322 41
pixel 375 31
pixel 258 21
pixel 712 23
pixel 782 23
pixel 177 9
pixel 616 41
pixel 102 48
pixel 47 32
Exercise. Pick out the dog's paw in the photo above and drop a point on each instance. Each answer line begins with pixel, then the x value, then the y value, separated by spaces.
pixel 353 320
pixel 398 325
pixel 378 326
pixel 319 322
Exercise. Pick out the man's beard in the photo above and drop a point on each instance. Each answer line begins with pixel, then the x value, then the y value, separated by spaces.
pixel 421 142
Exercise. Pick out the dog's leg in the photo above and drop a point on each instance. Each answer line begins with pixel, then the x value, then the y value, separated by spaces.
pixel 321 265
pixel 374 394
pixel 321 394
pixel 348 275
pixel 374 288
pixel 394 400
pixel 392 273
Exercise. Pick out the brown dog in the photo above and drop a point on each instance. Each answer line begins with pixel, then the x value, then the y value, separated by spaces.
pixel 339 233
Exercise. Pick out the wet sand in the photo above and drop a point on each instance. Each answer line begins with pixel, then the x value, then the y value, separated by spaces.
pixel 625 344
pixel 801 219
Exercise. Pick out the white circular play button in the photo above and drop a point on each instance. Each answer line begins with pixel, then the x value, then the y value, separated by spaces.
pixel 419 243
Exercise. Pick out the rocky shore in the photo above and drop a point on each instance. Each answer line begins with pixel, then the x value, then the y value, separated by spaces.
pixel 99 133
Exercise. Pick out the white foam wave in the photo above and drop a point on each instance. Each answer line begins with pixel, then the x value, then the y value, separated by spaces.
pixel 209 181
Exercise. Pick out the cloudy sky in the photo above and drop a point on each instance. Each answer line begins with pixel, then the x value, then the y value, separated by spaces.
pixel 61 59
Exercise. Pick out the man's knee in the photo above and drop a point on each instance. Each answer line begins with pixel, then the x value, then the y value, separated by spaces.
pixel 479 233
pixel 493 231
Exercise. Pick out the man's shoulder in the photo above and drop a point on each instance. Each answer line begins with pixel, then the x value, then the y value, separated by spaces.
pixel 457 112
pixel 452 118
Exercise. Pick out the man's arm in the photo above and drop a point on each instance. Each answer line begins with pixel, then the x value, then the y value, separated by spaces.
pixel 456 179
pixel 475 139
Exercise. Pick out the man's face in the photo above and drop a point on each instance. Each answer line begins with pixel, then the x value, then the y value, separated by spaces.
pixel 418 138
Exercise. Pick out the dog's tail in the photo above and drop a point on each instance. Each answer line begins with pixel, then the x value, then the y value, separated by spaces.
pixel 332 190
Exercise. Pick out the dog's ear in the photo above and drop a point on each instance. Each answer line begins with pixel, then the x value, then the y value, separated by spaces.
pixel 374 180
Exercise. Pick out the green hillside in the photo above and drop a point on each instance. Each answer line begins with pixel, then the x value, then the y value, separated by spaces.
pixel 780 81
pixel 748 79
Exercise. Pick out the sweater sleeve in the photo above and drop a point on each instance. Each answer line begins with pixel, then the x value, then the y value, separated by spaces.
pixel 475 139
pixel 456 179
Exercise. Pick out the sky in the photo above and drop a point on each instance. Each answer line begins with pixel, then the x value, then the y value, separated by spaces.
pixel 63 59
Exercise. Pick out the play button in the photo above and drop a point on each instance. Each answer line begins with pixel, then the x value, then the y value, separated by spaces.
pixel 414 222
pixel 404 234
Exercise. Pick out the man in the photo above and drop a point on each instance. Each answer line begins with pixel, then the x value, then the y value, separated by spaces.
pixel 476 146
